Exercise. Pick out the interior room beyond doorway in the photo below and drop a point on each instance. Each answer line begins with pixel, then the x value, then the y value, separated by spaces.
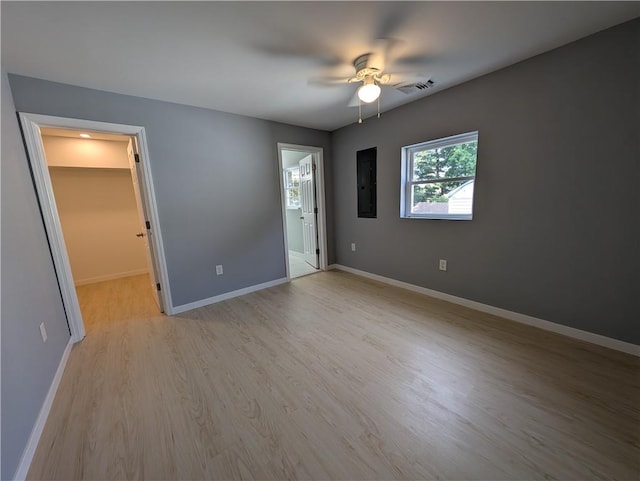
pixel 98 210
pixel 293 165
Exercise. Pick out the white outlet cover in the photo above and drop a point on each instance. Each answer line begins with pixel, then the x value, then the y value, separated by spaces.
pixel 219 270
pixel 353 246
pixel 443 265
pixel 43 332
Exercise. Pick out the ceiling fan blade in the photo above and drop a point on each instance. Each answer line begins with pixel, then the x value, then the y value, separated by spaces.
pixel 377 57
pixel 295 44
pixel 321 58
pixel 383 79
pixel 330 81
pixel 354 101
pixel 415 60
pixel 402 78
pixel 392 17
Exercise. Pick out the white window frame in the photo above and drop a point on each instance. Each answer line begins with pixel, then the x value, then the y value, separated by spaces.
pixel 288 189
pixel 407 181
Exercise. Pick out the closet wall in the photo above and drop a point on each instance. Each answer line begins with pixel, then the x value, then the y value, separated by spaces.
pixel 97 208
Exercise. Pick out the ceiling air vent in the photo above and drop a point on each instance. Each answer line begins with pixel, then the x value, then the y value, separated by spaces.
pixel 424 85
pixel 416 87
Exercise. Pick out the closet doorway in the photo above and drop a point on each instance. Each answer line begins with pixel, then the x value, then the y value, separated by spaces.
pixel 98 208
pixel 97 197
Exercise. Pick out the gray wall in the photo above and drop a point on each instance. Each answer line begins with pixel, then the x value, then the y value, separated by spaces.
pixel 555 230
pixel 215 176
pixel 30 295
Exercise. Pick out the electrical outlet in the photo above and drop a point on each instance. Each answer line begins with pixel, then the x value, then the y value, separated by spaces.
pixel 353 246
pixel 219 270
pixel 443 264
pixel 43 332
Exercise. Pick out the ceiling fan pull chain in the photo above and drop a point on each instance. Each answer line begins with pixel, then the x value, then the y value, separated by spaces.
pixel 359 111
pixel 378 106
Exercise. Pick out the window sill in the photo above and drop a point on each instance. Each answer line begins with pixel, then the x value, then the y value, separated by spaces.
pixel 439 217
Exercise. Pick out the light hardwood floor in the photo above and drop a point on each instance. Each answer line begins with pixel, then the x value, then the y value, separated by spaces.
pixel 338 377
pixel 128 298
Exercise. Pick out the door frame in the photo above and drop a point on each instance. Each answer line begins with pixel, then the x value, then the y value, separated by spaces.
pixel 317 154
pixel 31 124
pixel 133 156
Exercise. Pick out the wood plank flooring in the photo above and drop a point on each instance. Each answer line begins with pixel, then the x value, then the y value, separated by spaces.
pixel 127 298
pixel 337 377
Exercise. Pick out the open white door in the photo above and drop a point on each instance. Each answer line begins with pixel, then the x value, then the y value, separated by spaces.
pixel 145 232
pixel 309 211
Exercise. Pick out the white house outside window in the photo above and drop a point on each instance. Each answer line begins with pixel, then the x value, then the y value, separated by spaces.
pixel 438 178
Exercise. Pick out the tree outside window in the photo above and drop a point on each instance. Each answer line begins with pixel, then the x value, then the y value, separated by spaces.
pixel 292 187
pixel 440 177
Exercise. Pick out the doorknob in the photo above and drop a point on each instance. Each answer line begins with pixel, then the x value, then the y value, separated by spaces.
pixel 140 234
pixel 302 218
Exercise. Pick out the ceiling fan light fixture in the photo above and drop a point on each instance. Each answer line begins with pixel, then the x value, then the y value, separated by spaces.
pixel 369 91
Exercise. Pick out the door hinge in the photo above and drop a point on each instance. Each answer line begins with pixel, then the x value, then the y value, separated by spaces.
pixel 137 158
pixel 147 224
pixel 318 251
pixel 313 167
pixel 158 286
pixel 315 210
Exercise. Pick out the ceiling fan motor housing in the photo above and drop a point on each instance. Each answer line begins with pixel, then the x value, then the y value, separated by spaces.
pixel 362 71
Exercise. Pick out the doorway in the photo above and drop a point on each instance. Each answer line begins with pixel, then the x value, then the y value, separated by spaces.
pixel 64 153
pixel 303 211
pixel 98 201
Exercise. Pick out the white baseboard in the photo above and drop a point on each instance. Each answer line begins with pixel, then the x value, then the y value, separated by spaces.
pixel 226 295
pixel 110 277
pixel 36 432
pixel 513 316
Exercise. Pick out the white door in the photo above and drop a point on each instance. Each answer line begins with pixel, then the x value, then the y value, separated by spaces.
pixel 309 211
pixel 145 233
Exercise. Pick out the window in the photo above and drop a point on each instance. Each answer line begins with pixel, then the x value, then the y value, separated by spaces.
pixel 438 178
pixel 292 187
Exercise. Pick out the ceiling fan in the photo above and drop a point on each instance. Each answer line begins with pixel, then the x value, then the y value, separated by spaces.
pixel 371 75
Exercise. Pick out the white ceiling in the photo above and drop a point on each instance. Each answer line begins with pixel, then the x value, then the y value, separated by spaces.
pixel 256 58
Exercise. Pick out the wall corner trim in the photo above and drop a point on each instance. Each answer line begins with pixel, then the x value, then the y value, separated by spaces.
pixel 36 432
pixel 226 295
pixel 572 332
